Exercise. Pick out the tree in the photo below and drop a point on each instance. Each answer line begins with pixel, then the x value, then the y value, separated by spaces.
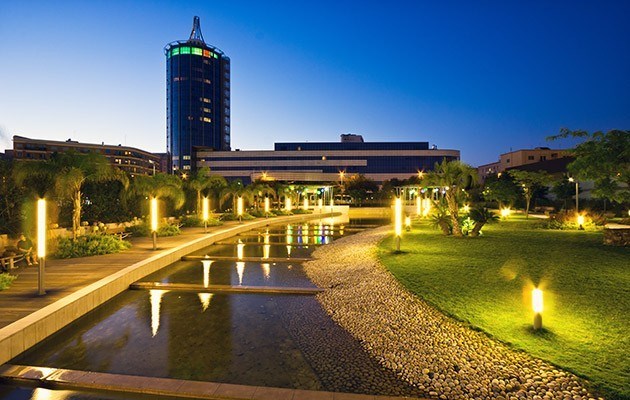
pixel 11 197
pixel 261 190
pixel 234 190
pixel 481 216
pixel 529 181
pixel 159 186
pixel 501 189
pixel 454 177
pixel 203 181
pixel 563 189
pixel 68 172
pixel 358 186
pixel 603 158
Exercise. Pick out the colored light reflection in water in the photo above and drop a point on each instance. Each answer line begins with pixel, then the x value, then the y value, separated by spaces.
pixel 240 247
pixel 266 246
pixel 305 234
pixel 240 268
pixel 289 235
pixel 205 298
pixel 155 297
pixel 289 250
pixel 206 272
pixel 266 269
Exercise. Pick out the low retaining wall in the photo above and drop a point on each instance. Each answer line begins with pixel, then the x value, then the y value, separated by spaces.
pixel 35 327
pixel 617 236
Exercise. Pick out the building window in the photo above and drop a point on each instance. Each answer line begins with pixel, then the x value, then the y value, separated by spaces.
pixel 186 167
pixel 206 119
pixel 507 161
pixel 543 158
pixel 186 157
pixel 554 155
pixel 530 157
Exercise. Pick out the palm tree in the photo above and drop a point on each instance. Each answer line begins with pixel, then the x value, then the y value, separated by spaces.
pixel 160 186
pixel 481 216
pixel 202 181
pixel 233 191
pixel 261 190
pixel 67 173
pixel 453 177
pixel 440 218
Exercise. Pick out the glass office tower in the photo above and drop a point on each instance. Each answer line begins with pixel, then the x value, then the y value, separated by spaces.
pixel 197 99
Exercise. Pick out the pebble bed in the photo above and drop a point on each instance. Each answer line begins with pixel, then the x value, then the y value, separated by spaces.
pixel 435 354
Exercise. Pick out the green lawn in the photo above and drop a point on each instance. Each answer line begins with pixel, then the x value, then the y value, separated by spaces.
pixel 487 281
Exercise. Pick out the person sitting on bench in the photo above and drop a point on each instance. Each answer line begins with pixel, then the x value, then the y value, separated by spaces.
pixel 25 246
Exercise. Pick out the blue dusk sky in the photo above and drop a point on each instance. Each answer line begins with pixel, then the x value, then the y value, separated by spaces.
pixel 483 77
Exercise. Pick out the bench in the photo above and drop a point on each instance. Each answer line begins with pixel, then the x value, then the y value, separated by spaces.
pixel 8 263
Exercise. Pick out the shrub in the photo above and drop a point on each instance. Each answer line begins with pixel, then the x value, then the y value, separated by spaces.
pixel 6 280
pixel 139 230
pixel 234 217
pixel 566 220
pixel 168 230
pixel 143 230
pixel 302 211
pixel 194 221
pixel 90 245
pixel 282 212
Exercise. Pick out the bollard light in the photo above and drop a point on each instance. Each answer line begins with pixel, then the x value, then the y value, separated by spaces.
pixel 466 208
pixel 239 208
pixel 41 245
pixel 580 221
pixel 306 203
pixel 266 206
pixel 419 206
pixel 287 203
pixel 426 207
pixel 154 221
pixel 398 221
pixel 505 212
pixel 537 305
pixel 407 223
pixel 205 213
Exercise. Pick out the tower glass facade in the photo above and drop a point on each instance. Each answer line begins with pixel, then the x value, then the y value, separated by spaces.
pixel 197 99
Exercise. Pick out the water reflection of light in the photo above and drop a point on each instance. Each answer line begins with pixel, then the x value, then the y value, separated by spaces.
pixel 47 394
pixel 266 249
pixel 341 229
pixel 289 235
pixel 239 249
pixel 305 234
pixel 266 270
pixel 206 272
pixel 205 300
pixel 240 268
pixel 156 300
pixel 289 250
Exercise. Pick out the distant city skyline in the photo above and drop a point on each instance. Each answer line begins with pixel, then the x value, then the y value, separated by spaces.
pixel 481 78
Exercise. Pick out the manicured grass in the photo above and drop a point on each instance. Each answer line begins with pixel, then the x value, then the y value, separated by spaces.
pixel 487 281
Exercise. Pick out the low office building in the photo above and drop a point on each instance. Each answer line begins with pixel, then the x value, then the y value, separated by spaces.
pixel 326 161
pixel 519 158
pixel 129 159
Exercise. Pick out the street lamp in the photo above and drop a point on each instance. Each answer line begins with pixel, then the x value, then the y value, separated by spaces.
pixel 205 213
pixel 577 197
pixel 305 202
pixel 154 221
pixel 287 204
pixel 41 245
pixel 266 207
pixel 239 208
pixel 398 221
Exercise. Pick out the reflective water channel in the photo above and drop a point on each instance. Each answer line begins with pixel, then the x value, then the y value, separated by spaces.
pixel 276 340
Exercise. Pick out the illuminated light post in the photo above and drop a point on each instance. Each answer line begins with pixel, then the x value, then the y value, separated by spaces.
pixel 239 208
pixel 287 204
pixel 577 192
pixel 305 203
pixel 408 223
pixel 205 213
pixel 398 221
pixel 418 206
pixel 266 207
pixel 426 207
pixel 341 175
pixel 41 245
pixel 537 305
pixel 580 222
pixel 505 212
pixel 154 221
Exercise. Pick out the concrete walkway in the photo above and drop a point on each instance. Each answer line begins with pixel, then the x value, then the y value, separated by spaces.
pixel 64 277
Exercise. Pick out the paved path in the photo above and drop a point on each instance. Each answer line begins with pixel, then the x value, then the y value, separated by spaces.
pixel 67 276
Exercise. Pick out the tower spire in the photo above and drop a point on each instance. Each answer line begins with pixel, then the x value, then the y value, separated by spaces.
pixel 195 34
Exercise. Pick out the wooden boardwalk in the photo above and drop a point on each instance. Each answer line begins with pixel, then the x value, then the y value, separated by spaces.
pixel 67 276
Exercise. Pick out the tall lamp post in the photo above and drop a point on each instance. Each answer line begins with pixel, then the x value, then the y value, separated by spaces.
pixel 239 209
pixel 205 213
pixel 41 245
pixel 154 221
pixel 577 192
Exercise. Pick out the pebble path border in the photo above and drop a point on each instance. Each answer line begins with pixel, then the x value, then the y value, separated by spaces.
pixel 440 356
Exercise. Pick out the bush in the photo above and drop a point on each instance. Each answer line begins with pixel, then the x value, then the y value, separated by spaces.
pixel 143 230
pixel 261 214
pixel 194 221
pixel 234 217
pixel 302 211
pixel 90 245
pixel 140 230
pixel 6 280
pixel 169 230
pixel 282 212
pixel 566 220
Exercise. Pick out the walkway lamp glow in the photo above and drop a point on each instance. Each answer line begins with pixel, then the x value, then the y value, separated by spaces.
pixel 320 204
pixel 407 223
pixel 580 222
pixel 154 221
pixel 205 213
pixel 537 305
pixel 419 206
pixel 287 203
pixel 505 212
pixel 266 206
pixel 398 221
pixel 426 207
pixel 306 203
pixel 41 245
pixel 577 193
pixel 466 208
pixel 239 208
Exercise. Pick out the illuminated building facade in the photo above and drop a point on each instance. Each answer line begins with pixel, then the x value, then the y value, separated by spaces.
pixel 197 99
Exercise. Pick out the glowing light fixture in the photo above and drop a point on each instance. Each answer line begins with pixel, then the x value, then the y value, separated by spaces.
pixel 266 206
pixel 154 221
pixel 205 213
pixel 41 245
pixel 239 208
pixel 537 305
pixel 418 206
pixel 426 207
pixel 320 203
pixel 580 221
pixel 466 208
pixel 306 203
pixel 398 221
pixel 287 203
pixel 505 212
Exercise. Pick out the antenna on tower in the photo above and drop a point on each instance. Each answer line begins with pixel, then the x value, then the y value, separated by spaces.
pixel 195 34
